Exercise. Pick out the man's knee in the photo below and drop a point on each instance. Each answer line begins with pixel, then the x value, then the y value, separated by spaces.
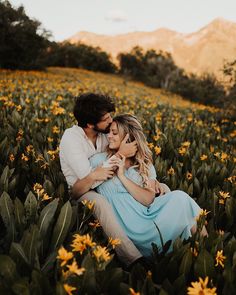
pixel 100 202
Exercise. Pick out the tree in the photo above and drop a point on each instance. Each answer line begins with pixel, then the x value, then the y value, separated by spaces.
pixel 22 39
pixel 78 56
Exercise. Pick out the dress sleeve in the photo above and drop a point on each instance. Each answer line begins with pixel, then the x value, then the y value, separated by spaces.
pixel 134 175
pixel 97 159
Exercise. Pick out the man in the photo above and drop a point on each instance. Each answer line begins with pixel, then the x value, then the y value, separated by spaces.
pixel 78 144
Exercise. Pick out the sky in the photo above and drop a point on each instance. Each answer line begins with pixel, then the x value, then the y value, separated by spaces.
pixel 64 18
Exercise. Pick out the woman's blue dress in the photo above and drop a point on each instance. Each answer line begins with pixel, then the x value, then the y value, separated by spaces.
pixel 174 213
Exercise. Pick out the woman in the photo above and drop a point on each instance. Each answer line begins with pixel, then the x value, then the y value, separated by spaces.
pixel 131 192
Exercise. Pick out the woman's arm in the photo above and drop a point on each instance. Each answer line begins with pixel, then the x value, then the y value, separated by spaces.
pixel 142 195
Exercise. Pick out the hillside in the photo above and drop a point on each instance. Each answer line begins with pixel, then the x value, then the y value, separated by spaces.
pixel 198 52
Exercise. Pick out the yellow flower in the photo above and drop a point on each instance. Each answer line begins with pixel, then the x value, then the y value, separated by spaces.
pixel 114 242
pixel 37 186
pixel 171 171
pixel 64 255
pixel 156 137
pixel 220 258
pixel 224 157
pixel 27 100
pixel 88 204
pixel 182 150
pixel 101 254
pixel 200 288
pixel 11 157
pixel 18 108
pixel 55 130
pixel 80 243
pixel 232 179
pixel 157 150
pixel 49 139
pixel 203 157
pixel 73 268
pixel 69 289
pixel 189 176
pixel 202 213
pixel 46 197
pixel 95 224
pixel 217 155
pixel 194 251
pixel 132 292
pixel 223 197
pixel 24 158
pixel 151 145
pixel 29 148
pixel 186 144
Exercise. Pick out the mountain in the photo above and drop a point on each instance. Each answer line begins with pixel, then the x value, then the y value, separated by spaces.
pixel 198 52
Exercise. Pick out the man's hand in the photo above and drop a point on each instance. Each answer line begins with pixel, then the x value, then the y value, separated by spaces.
pixel 102 173
pixel 127 149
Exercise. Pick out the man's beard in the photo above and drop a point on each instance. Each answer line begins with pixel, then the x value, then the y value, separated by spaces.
pixel 105 131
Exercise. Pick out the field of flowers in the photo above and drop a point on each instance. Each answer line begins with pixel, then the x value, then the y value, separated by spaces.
pixel 48 246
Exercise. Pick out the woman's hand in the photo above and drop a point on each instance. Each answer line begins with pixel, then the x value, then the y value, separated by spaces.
pixel 128 149
pixel 120 163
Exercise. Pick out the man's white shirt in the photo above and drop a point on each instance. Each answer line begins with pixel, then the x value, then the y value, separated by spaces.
pixel 75 150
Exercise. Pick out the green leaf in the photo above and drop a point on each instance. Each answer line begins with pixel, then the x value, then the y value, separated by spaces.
pixel 49 262
pixel 46 218
pixel 48 186
pixel 19 214
pixel 196 186
pixel 4 179
pixel 17 252
pixel 204 265
pixel 7 213
pixel 89 282
pixel 30 207
pixel 7 268
pixel 30 244
pixel 40 284
pixel 180 284
pixel 186 263
pixel 62 226
pixel 21 287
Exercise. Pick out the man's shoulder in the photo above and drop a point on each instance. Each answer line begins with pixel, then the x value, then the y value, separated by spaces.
pixel 72 135
pixel 73 131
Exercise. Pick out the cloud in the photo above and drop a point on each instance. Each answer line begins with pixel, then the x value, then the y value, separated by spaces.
pixel 116 16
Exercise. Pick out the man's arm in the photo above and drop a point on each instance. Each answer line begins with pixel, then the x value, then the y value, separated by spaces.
pixel 83 185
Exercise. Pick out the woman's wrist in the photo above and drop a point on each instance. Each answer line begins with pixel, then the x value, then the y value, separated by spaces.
pixel 122 177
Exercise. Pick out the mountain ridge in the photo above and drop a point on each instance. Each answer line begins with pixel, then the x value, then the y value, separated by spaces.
pixel 202 51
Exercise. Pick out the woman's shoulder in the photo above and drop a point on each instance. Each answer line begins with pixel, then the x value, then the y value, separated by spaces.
pixel 133 171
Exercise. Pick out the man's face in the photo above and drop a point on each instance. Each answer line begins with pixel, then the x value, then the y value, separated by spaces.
pixel 104 124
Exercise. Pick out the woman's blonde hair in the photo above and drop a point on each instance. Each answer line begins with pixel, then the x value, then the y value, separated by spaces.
pixel 129 124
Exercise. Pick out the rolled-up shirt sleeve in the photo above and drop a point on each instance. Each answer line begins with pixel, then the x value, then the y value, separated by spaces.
pixel 74 161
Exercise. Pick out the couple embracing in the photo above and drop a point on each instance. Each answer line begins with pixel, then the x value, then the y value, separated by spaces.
pixel 107 160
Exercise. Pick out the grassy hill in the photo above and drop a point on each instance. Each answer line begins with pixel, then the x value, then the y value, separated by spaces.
pixel 193 150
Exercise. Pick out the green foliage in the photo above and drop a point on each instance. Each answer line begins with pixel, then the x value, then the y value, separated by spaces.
pixel 22 39
pixel 78 56
pixel 159 70
pixel 193 150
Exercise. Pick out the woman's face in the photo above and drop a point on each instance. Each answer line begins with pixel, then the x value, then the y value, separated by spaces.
pixel 114 137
